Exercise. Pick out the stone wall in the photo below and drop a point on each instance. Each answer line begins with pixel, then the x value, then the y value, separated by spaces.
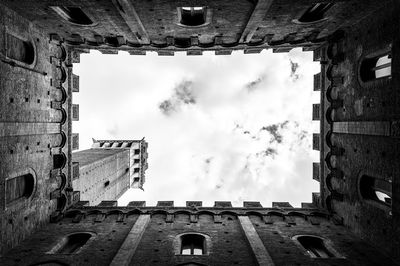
pixel 33 128
pixel 268 234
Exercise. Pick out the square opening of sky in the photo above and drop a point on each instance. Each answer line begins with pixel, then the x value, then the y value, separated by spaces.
pixel 234 128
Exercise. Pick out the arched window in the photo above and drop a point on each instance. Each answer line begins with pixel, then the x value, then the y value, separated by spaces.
pixel 315 13
pixel 378 190
pixel 73 14
pixel 315 246
pixel 71 244
pixel 19 187
pixel 192 244
pixel 59 161
pixel 193 16
pixel 20 50
pixel 376 67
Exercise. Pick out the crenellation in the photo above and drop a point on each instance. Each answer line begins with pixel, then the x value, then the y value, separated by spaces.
pixel 68 198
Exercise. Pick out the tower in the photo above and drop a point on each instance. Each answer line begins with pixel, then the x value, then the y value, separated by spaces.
pixel 109 168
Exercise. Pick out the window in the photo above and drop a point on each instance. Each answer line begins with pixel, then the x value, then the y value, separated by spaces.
pixel 136 170
pixel 22 51
pixel 193 16
pixel 315 247
pixel 19 187
pixel 136 179
pixel 315 13
pixel 192 244
pixel 72 243
pixel 376 67
pixel 73 14
pixel 107 183
pixel 59 161
pixel 378 190
pixel 137 161
pixel 137 151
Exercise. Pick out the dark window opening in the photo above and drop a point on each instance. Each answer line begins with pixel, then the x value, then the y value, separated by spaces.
pixel 137 151
pixel 59 161
pixel 193 244
pixel 376 67
pixel 136 161
pixel 73 243
pixel 73 14
pixel 315 13
pixel 193 16
pixel 378 190
pixel 136 170
pixel 315 247
pixel 20 50
pixel 107 183
pixel 19 187
pixel 113 41
pixel 136 179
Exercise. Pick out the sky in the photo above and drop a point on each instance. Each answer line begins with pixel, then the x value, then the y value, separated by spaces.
pixel 220 128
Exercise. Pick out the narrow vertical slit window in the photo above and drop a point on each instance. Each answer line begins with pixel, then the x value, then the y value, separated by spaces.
pixel 315 13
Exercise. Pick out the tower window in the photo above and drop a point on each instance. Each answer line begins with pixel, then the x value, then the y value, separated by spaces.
pixel 73 14
pixel 136 161
pixel 315 247
pixel 315 13
pixel 376 67
pixel 20 50
pixel 378 190
pixel 107 183
pixel 193 16
pixel 192 244
pixel 72 243
pixel 59 161
pixel 136 179
pixel 19 187
pixel 136 170
pixel 137 151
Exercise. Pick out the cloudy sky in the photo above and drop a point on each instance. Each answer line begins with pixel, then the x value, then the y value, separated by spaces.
pixel 234 128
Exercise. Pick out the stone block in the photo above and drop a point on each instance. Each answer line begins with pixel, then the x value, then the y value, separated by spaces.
pixel 137 204
pixel 316 138
pixel 316 112
pixel 75 83
pixel 75 112
pixel 194 203
pixel 317 82
pixel 108 203
pixel 281 205
pixel 75 141
pixel 165 204
pixel 252 204
pixel 316 171
pixel 223 204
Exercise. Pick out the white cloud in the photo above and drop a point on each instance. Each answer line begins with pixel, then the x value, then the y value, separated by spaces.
pixel 211 147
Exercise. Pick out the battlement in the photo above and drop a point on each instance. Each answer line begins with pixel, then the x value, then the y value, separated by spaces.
pixel 199 205
pixel 280 211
